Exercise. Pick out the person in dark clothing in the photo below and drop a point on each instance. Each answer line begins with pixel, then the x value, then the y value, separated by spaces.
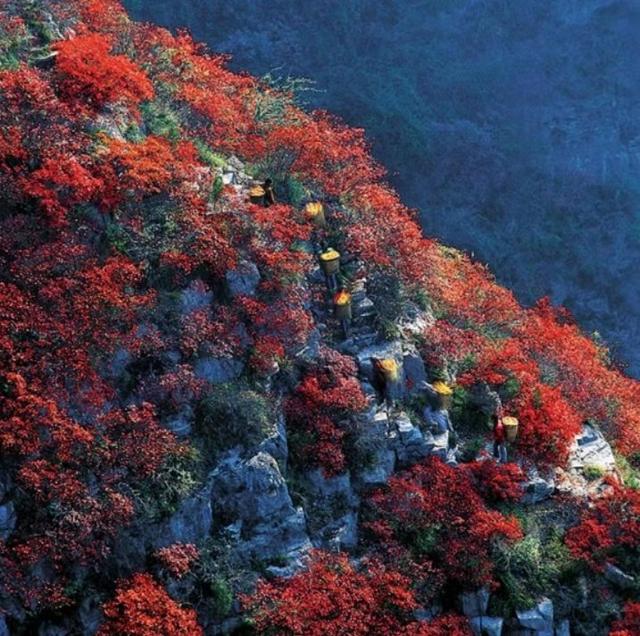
pixel 378 381
pixel 269 194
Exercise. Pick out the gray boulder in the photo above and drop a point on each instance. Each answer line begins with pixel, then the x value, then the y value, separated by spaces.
pixel 218 370
pixel 484 398
pixel 475 603
pixel 415 373
pixel 616 576
pixel 243 280
pixel 253 494
pixel 195 297
pixel 7 520
pixel 539 618
pixel 331 510
pixel 191 523
pixel 537 488
pixel 408 441
pixel 90 614
pixel 590 448
pixel 381 468
pixel 235 163
pixel 373 445
pixel 415 321
pixel 276 443
pixel 180 425
pixel 486 625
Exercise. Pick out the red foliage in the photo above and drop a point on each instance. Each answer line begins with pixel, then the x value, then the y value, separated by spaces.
pixel 178 558
pixel 143 168
pixel 447 625
pixel 580 368
pixel 59 184
pixel 438 508
pixel 284 318
pixel 90 75
pixel 385 234
pixel 448 346
pixel 548 424
pixel 267 351
pixel 609 528
pixel 333 597
pixel 319 148
pixel 629 624
pixel 326 394
pixel 142 607
pixel 497 482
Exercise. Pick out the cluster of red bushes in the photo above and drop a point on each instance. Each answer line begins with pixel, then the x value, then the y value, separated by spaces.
pixel 178 558
pixel 327 393
pixel 334 597
pixel 142 607
pixel 433 520
pixel 610 530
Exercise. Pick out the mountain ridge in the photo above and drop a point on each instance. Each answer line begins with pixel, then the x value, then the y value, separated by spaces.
pixel 197 439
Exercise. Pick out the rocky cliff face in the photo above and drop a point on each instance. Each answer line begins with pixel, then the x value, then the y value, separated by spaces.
pixel 197 437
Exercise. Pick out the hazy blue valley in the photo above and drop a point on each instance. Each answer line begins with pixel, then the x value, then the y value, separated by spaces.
pixel 512 125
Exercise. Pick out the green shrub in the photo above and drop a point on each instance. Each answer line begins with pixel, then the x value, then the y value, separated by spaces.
pixel 472 448
pixel 178 478
pixel 630 475
pixel 530 569
pixel 117 237
pixel 208 156
pixel 221 597
pixel 161 120
pixel 218 186
pixel 421 299
pixel 387 294
pixel 468 419
pixel 510 389
pixel 296 192
pixel 231 415
pixel 592 472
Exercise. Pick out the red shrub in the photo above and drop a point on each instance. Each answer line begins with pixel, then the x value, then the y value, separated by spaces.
pixel 497 482
pixel 548 424
pixel 447 625
pixel 436 509
pixel 178 558
pixel 609 530
pixel 90 75
pixel 326 394
pixel 332 597
pixel 59 184
pixel 629 624
pixel 142 607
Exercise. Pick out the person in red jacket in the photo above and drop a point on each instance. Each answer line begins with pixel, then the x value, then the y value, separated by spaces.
pixel 499 439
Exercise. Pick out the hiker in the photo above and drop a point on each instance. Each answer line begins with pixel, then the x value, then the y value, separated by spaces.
pixel 499 438
pixel 436 415
pixel 439 422
pixel 386 380
pixel 269 194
